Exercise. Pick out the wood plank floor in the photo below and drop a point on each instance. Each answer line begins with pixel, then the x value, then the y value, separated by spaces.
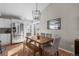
pixel 17 50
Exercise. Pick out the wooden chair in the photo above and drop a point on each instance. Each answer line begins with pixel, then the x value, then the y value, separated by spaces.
pixel 32 47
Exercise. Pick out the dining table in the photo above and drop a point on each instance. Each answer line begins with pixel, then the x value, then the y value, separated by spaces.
pixel 41 41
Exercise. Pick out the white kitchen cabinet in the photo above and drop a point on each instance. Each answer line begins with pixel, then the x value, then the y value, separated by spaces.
pixel 18 34
pixel 5 38
pixel 5 23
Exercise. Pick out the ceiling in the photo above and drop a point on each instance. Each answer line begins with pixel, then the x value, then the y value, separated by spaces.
pixel 23 10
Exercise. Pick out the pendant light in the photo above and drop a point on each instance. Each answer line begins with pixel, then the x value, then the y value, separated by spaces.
pixel 36 13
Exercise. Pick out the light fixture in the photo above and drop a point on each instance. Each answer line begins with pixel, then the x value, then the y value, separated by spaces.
pixel 36 13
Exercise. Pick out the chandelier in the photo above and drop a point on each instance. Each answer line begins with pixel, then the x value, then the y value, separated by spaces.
pixel 36 13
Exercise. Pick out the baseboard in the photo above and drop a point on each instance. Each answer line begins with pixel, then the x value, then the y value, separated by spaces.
pixel 66 50
pixel 12 44
pixel 16 43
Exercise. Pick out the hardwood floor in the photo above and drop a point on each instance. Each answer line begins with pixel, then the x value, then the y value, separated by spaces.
pixel 17 50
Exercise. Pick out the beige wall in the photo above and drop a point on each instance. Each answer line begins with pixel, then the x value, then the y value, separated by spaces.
pixel 69 14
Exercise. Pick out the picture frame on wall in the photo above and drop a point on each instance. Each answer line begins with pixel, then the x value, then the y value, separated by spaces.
pixel 54 24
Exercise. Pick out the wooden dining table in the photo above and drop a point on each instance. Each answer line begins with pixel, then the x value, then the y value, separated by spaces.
pixel 41 41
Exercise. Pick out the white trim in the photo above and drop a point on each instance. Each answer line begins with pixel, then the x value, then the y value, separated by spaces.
pixel 66 51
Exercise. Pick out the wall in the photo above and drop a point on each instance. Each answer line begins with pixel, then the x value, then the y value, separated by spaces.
pixel 69 14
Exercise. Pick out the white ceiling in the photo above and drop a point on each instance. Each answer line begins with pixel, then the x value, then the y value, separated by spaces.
pixel 21 9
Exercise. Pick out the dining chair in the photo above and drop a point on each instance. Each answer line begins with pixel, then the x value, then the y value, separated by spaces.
pixel 28 34
pixel 32 47
pixel 43 34
pixel 53 48
pixel 48 35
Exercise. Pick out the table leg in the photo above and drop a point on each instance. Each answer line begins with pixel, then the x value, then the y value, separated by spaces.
pixel 42 50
